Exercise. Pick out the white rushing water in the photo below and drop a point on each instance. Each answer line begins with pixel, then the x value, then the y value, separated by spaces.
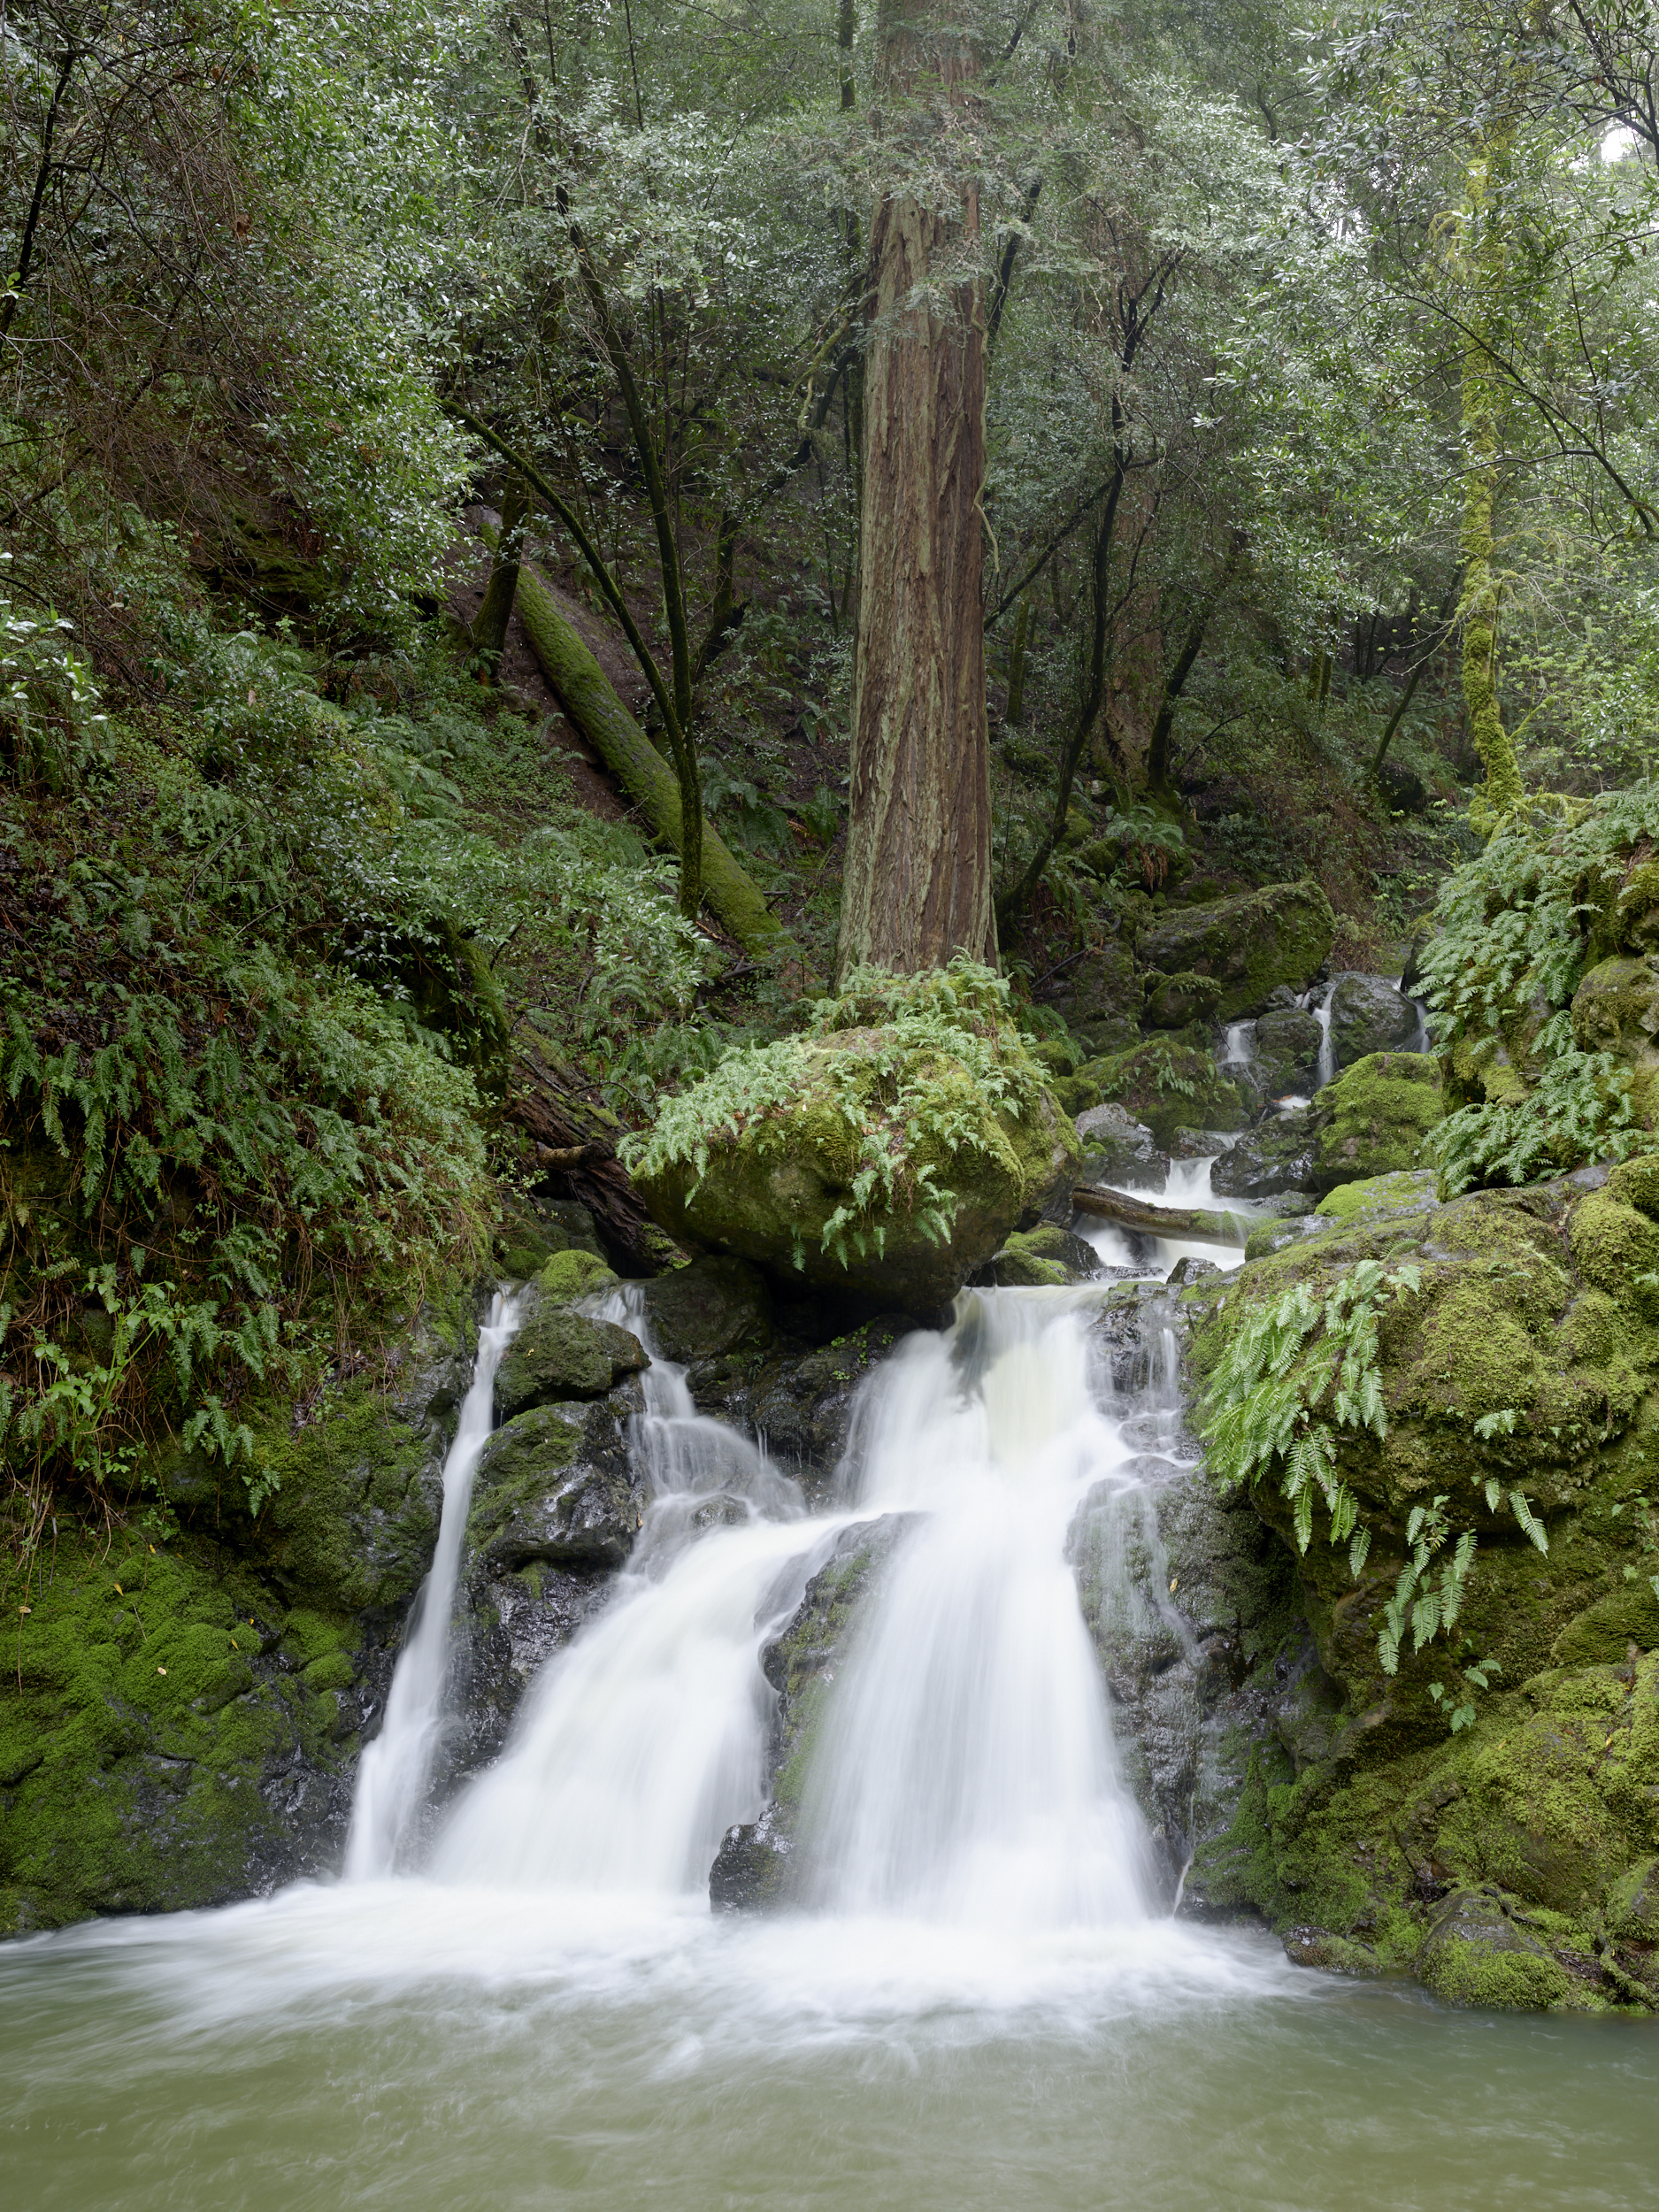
pixel 395 1768
pixel 965 1769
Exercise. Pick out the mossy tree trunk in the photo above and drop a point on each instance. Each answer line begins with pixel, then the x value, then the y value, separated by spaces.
pixel 489 627
pixel 1483 255
pixel 916 886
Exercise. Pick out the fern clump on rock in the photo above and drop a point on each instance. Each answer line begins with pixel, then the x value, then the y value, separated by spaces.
pixel 886 1150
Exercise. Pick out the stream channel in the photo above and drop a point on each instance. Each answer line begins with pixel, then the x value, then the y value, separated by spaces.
pixel 979 1997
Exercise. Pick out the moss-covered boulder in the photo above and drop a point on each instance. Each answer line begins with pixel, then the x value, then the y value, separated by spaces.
pixel 560 1354
pixel 885 1152
pixel 555 1484
pixel 1046 1257
pixel 1174 1000
pixel 1285 1042
pixel 1250 944
pixel 1098 997
pixel 1372 1120
pixel 1168 1088
pixel 1503 1857
pixel 533 1230
pixel 1616 1009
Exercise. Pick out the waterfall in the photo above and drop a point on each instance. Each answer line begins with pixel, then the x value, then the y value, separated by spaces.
pixel 1327 1053
pixel 965 1769
pixel 1238 1047
pixel 644 1740
pixel 395 1769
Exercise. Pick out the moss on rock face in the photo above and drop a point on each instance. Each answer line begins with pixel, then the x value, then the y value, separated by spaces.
pixel 1616 1009
pixel 888 1152
pixel 1250 944
pixel 1529 1309
pixel 1375 1116
pixel 557 1354
pixel 1168 1088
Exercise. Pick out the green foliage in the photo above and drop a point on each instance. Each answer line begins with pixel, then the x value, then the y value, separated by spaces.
pixel 1517 925
pixel 886 1095
pixel 1296 1371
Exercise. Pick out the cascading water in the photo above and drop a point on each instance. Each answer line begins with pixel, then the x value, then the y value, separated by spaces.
pixel 645 1739
pixel 1327 1051
pixel 395 1770
pixel 965 1769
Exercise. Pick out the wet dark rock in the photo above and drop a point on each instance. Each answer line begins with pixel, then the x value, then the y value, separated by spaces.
pixel 1276 1156
pixel 796 1399
pixel 558 1354
pixel 555 1485
pixel 1288 1041
pixel 1118 1149
pixel 758 1864
pixel 1369 1015
pixel 717 1306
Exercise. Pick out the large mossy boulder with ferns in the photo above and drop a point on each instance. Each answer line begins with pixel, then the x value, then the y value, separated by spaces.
pixel 1449 1416
pixel 1249 944
pixel 1162 1085
pixel 885 1151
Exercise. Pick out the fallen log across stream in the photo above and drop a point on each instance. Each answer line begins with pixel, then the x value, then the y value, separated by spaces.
pixel 1145 1219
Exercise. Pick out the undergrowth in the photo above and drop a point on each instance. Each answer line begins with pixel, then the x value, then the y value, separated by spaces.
pixel 1297 1371
pixel 259 913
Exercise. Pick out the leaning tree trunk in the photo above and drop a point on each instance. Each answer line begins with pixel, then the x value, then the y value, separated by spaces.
pixel 917 885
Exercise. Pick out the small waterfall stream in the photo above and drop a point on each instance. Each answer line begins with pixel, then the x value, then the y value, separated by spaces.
pixel 396 1767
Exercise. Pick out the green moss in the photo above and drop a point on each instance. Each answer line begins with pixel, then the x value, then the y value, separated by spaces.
pixel 575 1273
pixel 1250 943
pixel 1168 1088
pixel 152 1711
pixel 1377 1196
pixel 888 1151
pixel 1375 1116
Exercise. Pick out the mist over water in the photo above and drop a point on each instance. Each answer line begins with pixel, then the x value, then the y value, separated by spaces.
pixel 980 2000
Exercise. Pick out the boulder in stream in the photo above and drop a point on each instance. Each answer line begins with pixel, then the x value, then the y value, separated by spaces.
pixel 1372 1120
pixel 1118 1149
pixel 1250 943
pixel 886 1153
pixel 1368 1015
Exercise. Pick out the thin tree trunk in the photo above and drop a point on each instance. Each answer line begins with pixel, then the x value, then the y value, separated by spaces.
pixel 489 625
pixel 916 886
pixel 1484 262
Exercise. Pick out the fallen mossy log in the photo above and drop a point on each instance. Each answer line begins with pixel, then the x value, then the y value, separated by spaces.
pixel 1142 1218
pixel 591 701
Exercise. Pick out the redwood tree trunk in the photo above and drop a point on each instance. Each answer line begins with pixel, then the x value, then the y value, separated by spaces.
pixel 916 886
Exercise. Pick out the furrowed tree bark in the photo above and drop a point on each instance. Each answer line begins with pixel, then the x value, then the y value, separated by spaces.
pixel 591 701
pixel 917 885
